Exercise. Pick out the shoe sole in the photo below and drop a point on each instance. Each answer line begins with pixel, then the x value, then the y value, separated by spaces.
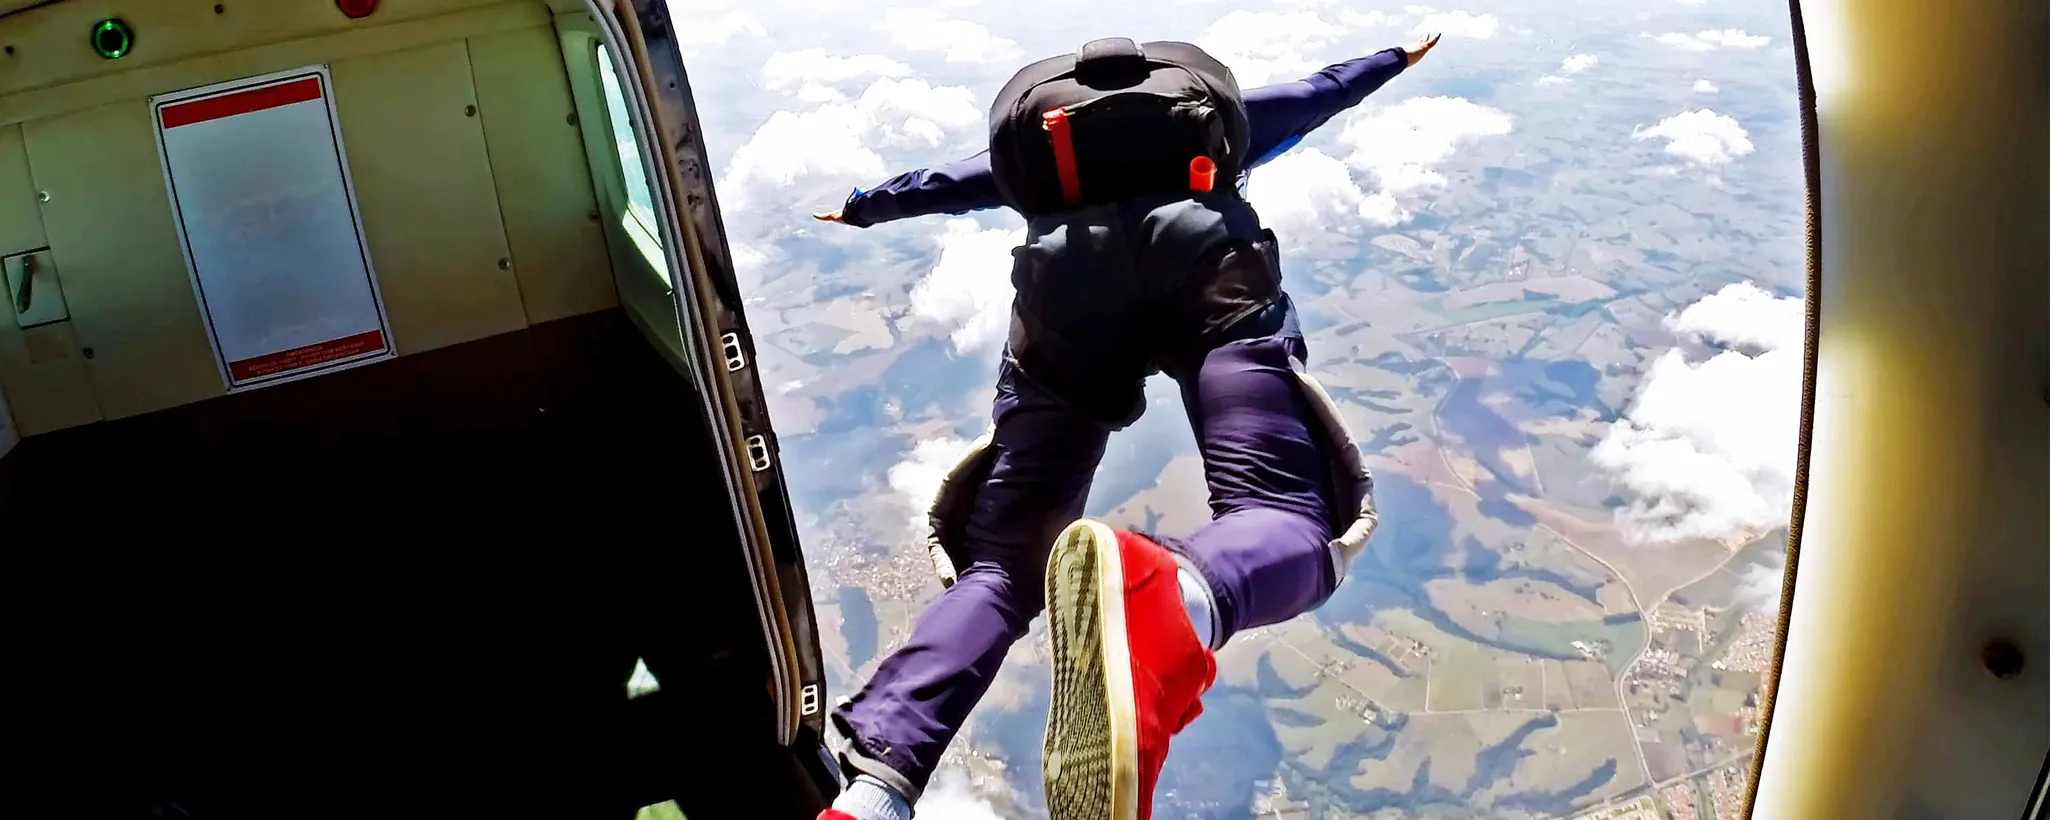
pixel 1091 763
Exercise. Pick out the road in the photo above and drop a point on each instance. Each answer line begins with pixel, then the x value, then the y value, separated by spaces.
pixel 1655 787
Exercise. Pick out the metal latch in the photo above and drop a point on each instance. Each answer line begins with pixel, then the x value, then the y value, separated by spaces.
pixel 33 290
pixel 808 700
pixel 758 452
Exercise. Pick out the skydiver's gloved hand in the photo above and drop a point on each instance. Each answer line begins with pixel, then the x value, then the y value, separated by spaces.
pixel 1416 53
pixel 830 216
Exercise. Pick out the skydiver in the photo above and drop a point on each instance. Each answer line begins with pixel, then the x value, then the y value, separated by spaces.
pixel 1280 115
pixel 1134 262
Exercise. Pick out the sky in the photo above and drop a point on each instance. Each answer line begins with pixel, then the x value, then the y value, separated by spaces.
pixel 808 100
pixel 879 345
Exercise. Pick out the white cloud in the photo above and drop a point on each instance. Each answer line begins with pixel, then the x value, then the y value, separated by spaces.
pixel 1758 588
pixel 789 69
pixel 1701 136
pixel 1262 46
pixel 1401 144
pixel 907 113
pixel 950 797
pixel 1311 201
pixel 749 263
pixel 916 478
pixel 920 29
pixel 1573 64
pixel 1454 23
pixel 1744 315
pixel 715 32
pixel 819 94
pixel 1704 87
pixel 792 145
pixel 1690 2
pixel 1367 19
pixel 839 139
pixel 1707 449
pixel 969 288
pixel 1712 39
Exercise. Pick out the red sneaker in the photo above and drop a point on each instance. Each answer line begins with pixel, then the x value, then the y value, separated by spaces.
pixel 835 814
pixel 1128 672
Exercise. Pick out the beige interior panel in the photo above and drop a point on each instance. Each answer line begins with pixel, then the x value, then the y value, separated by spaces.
pixel 45 378
pixel 50 45
pixel 136 81
pixel 21 226
pixel 537 155
pixel 423 184
pixel 116 249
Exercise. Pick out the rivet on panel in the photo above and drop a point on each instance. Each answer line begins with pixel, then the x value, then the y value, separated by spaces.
pixel 87 352
pixel 42 196
pixel 469 111
pixel 10 49
pixel 220 9
pixel 504 263
pixel 572 118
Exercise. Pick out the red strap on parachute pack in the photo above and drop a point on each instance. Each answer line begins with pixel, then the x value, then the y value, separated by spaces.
pixel 1056 123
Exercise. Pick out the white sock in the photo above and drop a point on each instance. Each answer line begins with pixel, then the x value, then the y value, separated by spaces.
pixel 868 799
pixel 1196 600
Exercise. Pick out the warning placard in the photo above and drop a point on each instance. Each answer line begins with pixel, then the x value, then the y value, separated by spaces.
pixel 260 188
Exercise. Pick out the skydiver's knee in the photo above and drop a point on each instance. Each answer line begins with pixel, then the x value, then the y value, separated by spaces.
pixel 1017 594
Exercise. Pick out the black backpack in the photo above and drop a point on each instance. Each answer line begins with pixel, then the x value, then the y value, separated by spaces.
pixel 1114 121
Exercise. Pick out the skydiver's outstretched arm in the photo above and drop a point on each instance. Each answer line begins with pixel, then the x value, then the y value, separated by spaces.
pixel 956 187
pixel 1278 116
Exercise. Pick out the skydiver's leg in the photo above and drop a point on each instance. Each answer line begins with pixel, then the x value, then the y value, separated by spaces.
pixel 1265 554
pixel 1046 457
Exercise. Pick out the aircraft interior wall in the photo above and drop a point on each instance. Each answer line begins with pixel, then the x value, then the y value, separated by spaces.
pixel 420 583
pixel 459 130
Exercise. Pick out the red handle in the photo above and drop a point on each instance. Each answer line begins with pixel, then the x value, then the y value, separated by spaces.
pixel 1202 175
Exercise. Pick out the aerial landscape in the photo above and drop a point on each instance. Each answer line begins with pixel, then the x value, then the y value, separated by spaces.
pixel 1552 275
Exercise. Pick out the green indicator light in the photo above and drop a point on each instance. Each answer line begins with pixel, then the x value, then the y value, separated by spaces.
pixel 112 39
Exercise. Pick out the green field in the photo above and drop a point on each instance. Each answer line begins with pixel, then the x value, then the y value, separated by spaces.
pixel 1558 694
pixel 1558 757
pixel 1592 687
pixel 1556 638
pixel 1490 310
pixel 1407 695
pixel 1457 678
pixel 1718 701
pixel 1315 744
pixel 1512 674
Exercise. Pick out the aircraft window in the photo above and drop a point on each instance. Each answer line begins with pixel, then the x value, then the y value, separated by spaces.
pixel 1552 274
pixel 640 201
